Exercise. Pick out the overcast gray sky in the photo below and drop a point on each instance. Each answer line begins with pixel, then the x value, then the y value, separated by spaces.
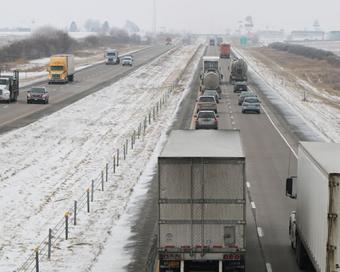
pixel 203 16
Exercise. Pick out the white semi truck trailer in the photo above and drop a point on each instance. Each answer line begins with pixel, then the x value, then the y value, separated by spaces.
pixel 314 227
pixel 202 202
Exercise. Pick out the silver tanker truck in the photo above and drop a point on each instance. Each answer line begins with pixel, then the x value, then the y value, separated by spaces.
pixel 238 71
pixel 211 76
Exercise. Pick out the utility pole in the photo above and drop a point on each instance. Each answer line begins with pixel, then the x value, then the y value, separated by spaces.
pixel 154 23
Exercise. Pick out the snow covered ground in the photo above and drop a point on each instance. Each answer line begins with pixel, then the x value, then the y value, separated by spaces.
pixel 320 110
pixel 47 165
pixel 333 46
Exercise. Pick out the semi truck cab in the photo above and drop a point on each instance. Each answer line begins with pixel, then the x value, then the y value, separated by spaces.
pixel 9 87
pixel 112 57
pixel 61 69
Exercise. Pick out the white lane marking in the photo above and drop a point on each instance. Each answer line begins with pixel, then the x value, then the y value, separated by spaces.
pixel 248 184
pixel 278 130
pixel 5 107
pixel 253 205
pixel 231 116
pixel 260 232
pixel 269 267
pixel 230 112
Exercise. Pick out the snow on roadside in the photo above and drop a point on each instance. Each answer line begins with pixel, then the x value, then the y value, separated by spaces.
pixel 318 110
pixel 53 160
pixel 121 232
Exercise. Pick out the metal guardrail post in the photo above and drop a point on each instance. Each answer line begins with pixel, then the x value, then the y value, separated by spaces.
pixel 75 213
pixel 66 225
pixel 114 164
pixel 49 244
pixel 36 250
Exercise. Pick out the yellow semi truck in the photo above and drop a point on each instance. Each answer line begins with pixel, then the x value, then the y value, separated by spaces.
pixel 61 68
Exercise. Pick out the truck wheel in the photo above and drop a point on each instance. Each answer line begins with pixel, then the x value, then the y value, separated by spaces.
pixel 301 254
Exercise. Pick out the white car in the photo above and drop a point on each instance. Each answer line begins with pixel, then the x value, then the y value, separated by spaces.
pixel 127 60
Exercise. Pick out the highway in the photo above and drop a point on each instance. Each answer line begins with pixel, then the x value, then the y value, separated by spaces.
pixel 86 81
pixel 269 161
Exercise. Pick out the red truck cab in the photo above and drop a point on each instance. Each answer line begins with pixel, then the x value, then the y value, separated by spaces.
pixel 225 50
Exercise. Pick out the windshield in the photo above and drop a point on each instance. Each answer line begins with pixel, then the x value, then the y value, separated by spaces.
pixel 210 92
pixel 251 100
pixel 206 114
pixel 57 68
pixel 3 81
pixel 37 90
pixel 112 54
pixel 247 94
pixel 207 99
pixel 127 58
pixel 210 65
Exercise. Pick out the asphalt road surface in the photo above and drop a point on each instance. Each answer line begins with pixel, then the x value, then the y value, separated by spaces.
pixel 269 161
pixel 86 81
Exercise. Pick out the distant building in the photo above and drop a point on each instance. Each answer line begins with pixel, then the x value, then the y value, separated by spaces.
pixel 305 35
pixel 333 35
pixel 269 36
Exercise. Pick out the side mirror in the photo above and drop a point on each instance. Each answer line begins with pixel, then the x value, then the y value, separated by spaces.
pixel 195 115
pixel 289 188
pixel 217 115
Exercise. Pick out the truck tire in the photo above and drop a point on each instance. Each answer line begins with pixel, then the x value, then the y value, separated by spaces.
pixel 301 254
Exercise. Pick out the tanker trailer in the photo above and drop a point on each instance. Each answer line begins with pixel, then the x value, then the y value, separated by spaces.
pixel 211 76
pixel 238 71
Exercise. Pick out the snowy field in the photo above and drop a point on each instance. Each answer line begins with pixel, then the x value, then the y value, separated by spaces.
pixel 53 160
pixel 321 109
pixel 333 46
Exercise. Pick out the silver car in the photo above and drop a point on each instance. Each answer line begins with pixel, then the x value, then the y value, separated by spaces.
pixel 212 93
pixel 243 95
pixel 206 102
pixel 251 104
pixel 127 60
pixel 206 120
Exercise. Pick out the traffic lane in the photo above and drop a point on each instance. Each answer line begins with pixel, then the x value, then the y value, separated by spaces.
pixel 254 259
pixel 269 162
pixel 60 94
pixel 225 112
pixel 90 76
